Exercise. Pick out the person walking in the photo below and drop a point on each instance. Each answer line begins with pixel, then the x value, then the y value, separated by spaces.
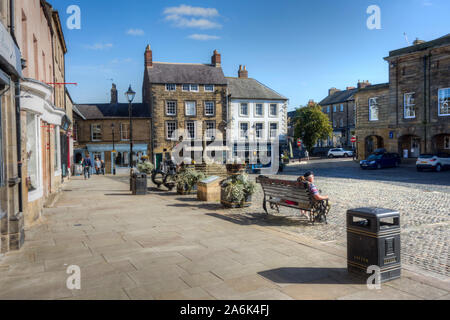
pixel 87 164
pixel 98 165
pixel 103 166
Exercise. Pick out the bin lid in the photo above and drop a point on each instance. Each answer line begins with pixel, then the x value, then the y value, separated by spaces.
pixel 372 212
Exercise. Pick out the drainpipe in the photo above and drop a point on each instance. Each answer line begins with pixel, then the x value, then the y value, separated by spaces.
pixel 12 26
pixel 425 101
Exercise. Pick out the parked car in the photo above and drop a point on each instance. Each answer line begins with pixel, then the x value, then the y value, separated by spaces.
pixel 340 152
pixel 436 162
pixel 381 160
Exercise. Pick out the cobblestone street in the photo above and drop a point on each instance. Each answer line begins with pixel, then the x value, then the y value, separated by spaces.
pixel 422 198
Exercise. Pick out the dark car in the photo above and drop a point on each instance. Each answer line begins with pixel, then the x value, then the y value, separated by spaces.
pixel 381 160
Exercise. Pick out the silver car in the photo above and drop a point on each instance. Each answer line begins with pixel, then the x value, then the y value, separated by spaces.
pixel 436 162
pixel 339 152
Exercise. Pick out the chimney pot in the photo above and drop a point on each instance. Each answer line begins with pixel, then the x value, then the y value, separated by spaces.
pixel 114 99
pixel 148 57
pixel 216 59
pixel 243 73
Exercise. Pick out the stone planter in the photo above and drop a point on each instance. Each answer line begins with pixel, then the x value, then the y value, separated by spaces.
pixel 230 204
pixel 184 191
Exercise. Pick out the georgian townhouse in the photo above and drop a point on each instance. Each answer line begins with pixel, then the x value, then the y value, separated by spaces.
pixel 184 96
pixel 256 112
pixel 103 130
pixel 339 106
pixel 410 115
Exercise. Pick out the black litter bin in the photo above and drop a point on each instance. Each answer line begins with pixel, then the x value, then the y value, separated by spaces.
pixel 373 238
pixel 139 184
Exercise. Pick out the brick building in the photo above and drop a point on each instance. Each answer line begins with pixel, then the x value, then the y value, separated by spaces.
pixel 100 129
pixel 184 96
pixel 409 115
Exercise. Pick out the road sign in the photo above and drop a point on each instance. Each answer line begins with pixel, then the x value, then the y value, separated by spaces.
pixel 299 143
pixel 353 140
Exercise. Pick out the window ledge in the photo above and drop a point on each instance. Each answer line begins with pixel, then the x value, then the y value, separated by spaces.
pixel 35 194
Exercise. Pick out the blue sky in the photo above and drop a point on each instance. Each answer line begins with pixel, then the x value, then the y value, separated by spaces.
pixel 298 48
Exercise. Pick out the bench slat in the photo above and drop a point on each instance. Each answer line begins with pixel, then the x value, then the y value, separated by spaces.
pixel 301 194
pixel 304 206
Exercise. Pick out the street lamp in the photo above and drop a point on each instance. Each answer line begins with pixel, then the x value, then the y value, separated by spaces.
pixel 114 150
pixel 130 94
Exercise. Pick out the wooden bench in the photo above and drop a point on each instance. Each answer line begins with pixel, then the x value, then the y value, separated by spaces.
pixel 277 192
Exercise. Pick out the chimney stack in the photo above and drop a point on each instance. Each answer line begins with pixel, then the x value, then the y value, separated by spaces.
pixel 363 84
pixel 350 88
pixel 332 91
pixel 243 73
pixel 148 57
pixel 114 94
pixel 216 59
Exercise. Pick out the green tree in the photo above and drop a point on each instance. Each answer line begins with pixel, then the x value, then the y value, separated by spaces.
pixel 311 125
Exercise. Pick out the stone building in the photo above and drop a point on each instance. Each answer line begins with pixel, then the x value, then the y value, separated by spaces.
pixel 340 108
pixel 256 112
pixel 11 214
pixel 184 96
pixel 100 129
pixel 410 115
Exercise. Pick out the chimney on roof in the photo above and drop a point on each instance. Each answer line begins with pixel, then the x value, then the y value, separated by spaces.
pixel 363 84
pixel 216 59
pixel 114 94
pixel 350 88
pixel 242 73
pixel 148 57
pixel 332 91
pixel 418 41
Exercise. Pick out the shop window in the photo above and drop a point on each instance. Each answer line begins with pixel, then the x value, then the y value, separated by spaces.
pixel 33 174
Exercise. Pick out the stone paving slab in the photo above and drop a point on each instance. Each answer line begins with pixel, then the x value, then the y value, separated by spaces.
pixel 148 247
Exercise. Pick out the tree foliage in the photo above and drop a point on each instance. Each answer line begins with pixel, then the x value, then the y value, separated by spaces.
pixel 311 125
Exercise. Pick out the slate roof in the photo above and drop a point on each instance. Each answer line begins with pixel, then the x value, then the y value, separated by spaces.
pixel 107 110
pixel 375 86
pixel 338 97
pixel 248 88
pixel 75 110
pixel 445 40
pixel 179 73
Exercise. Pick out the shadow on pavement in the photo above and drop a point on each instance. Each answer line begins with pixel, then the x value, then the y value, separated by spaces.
pixel 311 275
pixel 261 219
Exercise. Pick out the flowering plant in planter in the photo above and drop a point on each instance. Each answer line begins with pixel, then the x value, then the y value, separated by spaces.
pixel 237 191
pixel 187 179
pixel 145 167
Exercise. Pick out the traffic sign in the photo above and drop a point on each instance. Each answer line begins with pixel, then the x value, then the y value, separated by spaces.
pixel 353 140
pixel 299 143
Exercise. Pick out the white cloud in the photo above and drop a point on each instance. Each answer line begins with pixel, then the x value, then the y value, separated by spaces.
pixel 184 10
pixel 203 37
pixel 192 17
pixel 135 32
pixel 99 46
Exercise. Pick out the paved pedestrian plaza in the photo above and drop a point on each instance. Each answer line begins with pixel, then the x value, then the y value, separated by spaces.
pixel 166 246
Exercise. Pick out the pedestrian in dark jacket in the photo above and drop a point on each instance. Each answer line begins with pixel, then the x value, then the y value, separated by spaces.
pixel 87 164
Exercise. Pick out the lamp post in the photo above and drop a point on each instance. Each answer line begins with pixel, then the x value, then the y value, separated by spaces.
pixel 130 94
pixel 114 150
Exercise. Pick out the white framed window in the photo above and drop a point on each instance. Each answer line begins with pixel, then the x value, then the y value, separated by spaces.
pixel 209 88
pixel 171 87
pixel 75 131
pixel 171 108
pixel 125 131
pixel 273 130
pixel 210 127
pixel 273 110
pixel 171 126
pixel 243 130
pixel 96 132
pixel 334 108
pixel 34 174
pixel 447 142
pixel 409 105
pixel 373 109
pixel 259 130
pixel 243 109
pixel 444 97
pixel 210 108
pixel 189 87
pixel 191 108
pixel 259 110
pixel 342 107
pixel 328 109
pixel 191 129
